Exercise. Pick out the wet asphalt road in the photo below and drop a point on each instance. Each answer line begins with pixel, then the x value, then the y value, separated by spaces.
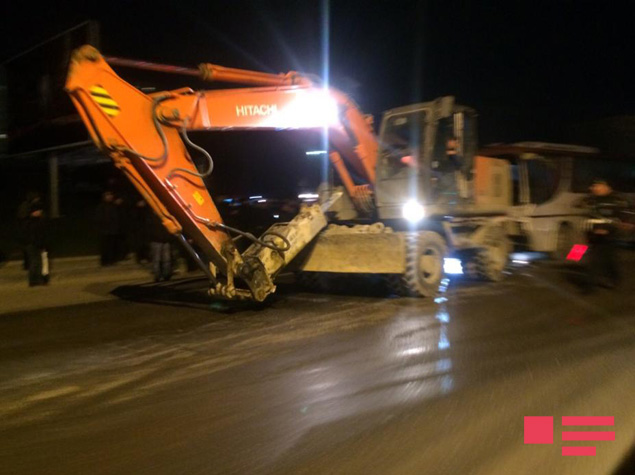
pixel 161 381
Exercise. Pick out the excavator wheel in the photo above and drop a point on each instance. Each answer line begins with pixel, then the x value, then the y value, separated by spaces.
pixel 425 252
pixel 489 262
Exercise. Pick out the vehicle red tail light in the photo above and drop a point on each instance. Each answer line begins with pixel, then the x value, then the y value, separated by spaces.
pixel 576 252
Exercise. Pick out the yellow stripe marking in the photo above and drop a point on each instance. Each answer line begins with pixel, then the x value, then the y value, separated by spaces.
pixel 105 102
pixel 99 90
pixel 199 198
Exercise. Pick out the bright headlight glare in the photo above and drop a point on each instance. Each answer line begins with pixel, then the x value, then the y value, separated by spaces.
pixel 413 211
pixel 307 109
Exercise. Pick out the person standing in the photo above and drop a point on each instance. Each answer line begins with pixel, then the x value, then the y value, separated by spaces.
pixel 107 218
pixel 37 245
pixel 141 219
pixel 32 197
pixel 121 240
pixel 607 207
pixel 160 251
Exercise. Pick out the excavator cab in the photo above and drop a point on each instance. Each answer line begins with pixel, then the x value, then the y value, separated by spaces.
pixel 425 158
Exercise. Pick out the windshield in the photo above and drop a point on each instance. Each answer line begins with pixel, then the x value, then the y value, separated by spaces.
pixel 402 139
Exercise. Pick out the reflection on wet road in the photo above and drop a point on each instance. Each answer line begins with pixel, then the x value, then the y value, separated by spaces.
pixel 317 383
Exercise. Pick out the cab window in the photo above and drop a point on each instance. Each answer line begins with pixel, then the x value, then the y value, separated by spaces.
pixel 543 177
pixel 401 142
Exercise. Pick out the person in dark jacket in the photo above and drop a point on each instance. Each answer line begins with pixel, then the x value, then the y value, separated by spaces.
pixel 108 226
pixel 608 207
pixel 122 245
pixel 32 198
pixel 141 222
pixel 160 250
pixel 37 245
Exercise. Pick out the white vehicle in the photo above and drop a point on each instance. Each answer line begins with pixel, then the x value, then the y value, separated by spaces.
pixel 547 181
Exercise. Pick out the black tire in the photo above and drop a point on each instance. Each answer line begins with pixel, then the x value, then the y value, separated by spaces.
pixel 425 252
pixel 490 261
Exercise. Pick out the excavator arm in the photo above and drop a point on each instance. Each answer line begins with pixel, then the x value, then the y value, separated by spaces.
pixel 281 101
pixel 146 136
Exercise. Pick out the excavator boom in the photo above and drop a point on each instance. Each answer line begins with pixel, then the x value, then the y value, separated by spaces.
pixel 145 135
pixel 356 141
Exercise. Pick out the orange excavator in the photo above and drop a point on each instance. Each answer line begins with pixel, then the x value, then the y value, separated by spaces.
pixel 402 199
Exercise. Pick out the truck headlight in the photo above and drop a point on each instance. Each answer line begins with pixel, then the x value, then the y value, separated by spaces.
pixel 413 211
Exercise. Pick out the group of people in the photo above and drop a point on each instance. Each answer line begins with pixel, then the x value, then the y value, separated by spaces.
pixel 124 227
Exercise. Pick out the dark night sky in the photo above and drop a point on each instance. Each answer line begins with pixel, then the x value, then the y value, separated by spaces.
pixel 527 67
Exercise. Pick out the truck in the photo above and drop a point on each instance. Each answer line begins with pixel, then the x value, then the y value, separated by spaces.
pixel 400 201
pixel 548 180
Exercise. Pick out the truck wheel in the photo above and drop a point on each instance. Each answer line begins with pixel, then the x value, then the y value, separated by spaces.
pixel 425 252
pixel 490 261
pixel 564 242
